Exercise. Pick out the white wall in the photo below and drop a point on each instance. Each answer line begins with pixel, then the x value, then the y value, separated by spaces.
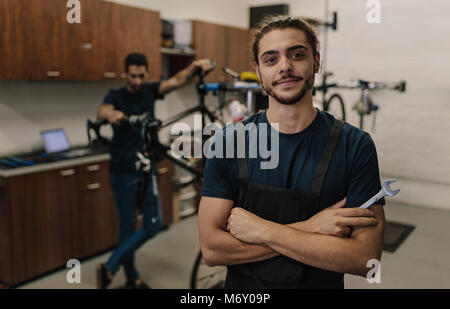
pixel 26 108
pixel 410 43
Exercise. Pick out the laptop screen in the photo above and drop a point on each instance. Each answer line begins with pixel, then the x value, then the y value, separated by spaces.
pixel 55 140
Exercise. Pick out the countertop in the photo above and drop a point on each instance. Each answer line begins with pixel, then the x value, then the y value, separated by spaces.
pixel 42 167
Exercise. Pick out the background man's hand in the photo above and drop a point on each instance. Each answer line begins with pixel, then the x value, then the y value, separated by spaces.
pixel 204 64
pixel 337 220
pixel 115 117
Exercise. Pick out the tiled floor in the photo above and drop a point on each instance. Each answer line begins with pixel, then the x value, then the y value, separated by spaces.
pixel 422 261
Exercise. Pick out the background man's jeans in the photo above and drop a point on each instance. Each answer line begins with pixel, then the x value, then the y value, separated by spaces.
pixel 125 187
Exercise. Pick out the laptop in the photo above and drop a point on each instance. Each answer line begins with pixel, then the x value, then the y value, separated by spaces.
pixel 57 144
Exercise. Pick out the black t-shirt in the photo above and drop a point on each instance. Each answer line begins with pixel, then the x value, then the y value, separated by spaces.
pixel 353 170
pixel 126 141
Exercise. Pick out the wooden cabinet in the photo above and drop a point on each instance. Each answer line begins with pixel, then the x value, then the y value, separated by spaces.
pixel 48 218
pixel 166 171
pixel 238 49
pixel 210 42
pixel 37 42
pixel 138 30
pixel 228 46
pixel 110 32
pixel 95 215
pixel 40 209
pixel 52 217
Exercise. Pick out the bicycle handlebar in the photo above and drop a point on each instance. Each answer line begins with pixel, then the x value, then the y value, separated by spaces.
pixel 365 84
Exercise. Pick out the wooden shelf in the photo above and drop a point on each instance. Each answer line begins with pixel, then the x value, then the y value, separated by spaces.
pixel 178 52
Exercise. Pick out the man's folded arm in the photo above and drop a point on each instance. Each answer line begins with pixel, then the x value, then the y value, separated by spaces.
pixel 217 245
pixel 343 255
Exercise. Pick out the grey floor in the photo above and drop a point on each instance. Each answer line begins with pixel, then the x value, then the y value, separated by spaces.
pixel 422 261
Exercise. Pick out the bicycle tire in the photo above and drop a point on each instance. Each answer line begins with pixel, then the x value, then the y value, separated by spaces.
pixel 338 104
pixel 193 283
pixel 217 272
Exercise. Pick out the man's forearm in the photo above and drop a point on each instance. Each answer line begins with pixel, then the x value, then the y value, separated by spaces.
pixel 178 80
pixel 227 250
pixel 343 255
pixel 104 111
pixel 233 251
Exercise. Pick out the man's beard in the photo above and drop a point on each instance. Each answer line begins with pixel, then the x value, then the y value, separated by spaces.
pixel 307 85
pixel 135 89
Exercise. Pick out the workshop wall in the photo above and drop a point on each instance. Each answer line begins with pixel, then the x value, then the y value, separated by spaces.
pixel 411 130
pixel 26 108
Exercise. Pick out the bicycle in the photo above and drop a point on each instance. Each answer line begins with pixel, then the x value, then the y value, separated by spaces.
pixel 333 104
pixel 153 151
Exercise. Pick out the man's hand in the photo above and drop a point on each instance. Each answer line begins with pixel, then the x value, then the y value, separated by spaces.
pixel 181 78
pixel 115 117
pixel 246 226
pixel 205 64
pixel 337 220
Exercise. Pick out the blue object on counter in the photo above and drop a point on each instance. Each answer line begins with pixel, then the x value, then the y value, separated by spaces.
pixel 8 163
pixel 20 161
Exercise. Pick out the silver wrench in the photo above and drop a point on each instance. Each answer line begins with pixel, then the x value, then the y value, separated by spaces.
pixel 385 191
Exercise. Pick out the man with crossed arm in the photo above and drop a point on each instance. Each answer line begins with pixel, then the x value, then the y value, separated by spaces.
pixel 298 225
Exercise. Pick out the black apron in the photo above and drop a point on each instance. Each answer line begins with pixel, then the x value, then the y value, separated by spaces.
pixel 284 206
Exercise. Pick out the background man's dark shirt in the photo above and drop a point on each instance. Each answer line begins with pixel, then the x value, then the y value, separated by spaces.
pixel 126 141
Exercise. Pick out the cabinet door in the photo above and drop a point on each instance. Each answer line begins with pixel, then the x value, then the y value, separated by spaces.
pixel 97 44
pixel 166 172
pixel 6 253
pixel 16 39
pixel 95 215
pixel 38 43
pixel 137 30
pixel 238 49
pixel 41 222
pixel 210 42
pixel 53 47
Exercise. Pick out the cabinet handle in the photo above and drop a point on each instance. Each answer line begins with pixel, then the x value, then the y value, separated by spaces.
pixel 109 75
pixel 53 73
pixel 163 170
pixel 93 168
pixel 93 186
pixel 86 46
pixel 67 173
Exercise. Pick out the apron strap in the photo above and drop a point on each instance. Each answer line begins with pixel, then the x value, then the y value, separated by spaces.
pixel 243 168
pixel 327 155
pixel 243 165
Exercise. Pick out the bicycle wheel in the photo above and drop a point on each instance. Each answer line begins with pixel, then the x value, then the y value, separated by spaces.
pixel 205 277
pixel 335 106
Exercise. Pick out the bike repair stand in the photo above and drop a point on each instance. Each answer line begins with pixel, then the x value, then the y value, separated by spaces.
pixel 324 57
pixel 154 151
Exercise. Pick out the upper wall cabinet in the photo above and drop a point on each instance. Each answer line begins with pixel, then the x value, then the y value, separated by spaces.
pixel 38 43
pixel 228 46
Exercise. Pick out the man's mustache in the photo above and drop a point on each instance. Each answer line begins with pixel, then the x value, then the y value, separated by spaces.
pixel 294 77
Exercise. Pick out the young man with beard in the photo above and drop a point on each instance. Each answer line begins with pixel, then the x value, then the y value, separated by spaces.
pixel 136 97
pixel 297 225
